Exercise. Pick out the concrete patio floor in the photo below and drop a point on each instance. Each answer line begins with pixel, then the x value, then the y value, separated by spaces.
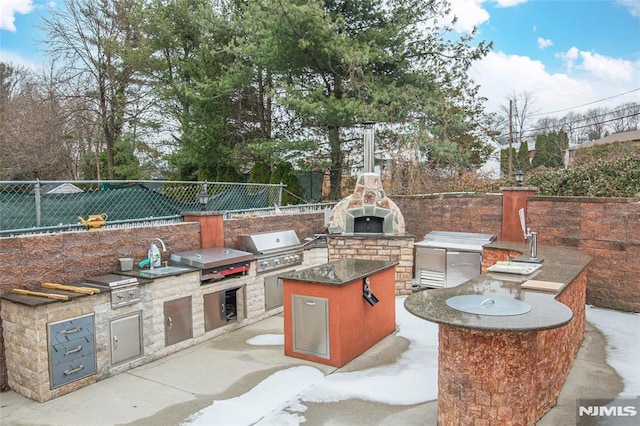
pixel 169 390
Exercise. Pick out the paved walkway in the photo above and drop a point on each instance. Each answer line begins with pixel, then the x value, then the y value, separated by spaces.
pixel 169 390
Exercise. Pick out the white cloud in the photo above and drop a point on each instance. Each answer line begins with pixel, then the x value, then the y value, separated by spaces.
pixel 501 75
pixel 605 68
pixel 632 5
pixel 469 13
pixel 509 3
pixel 8 10
pixel 544 43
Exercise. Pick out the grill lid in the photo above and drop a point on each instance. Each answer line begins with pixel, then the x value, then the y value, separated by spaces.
pixel 456 240
pixel 211 257
pixel 268 242
pixel 112 280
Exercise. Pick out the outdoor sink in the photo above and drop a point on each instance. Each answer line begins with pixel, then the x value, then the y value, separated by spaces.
pixel 488 305
pixel 164 271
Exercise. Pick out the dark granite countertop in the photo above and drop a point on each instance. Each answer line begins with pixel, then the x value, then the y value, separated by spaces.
pixel 560 265
pixel 34 301
pixel 338 272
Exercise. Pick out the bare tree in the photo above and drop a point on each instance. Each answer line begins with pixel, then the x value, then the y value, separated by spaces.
pixel 99 41
pixel 625 118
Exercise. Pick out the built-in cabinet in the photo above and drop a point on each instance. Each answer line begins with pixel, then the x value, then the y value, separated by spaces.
pixel 310 316
pixel 272 292
pixel 442 267
pixel 126 338
pixel 224 307
pixel 177 321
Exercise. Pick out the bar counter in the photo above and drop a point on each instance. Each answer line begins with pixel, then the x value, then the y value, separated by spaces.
pixel 507 369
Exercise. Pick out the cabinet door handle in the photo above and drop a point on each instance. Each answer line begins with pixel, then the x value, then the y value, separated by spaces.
pixel 71 331
pixel 222 308
pixel 74 370
pixel 73 351
pixel 310 303
pixel 169 323
pixel 115 342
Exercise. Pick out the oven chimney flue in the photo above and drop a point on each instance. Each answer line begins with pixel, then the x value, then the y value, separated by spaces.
pixel 369 133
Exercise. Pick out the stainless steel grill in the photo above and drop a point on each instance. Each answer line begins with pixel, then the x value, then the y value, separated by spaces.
pixel 273 250
pixel 215 262
pixel 124 290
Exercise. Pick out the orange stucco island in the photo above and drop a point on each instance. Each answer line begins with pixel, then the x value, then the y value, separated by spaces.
pixel 507 369
pixel 328 319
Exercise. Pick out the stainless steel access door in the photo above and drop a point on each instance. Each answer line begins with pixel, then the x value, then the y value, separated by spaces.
pixel 310 325
pixel 462 266
pixel 126 338
pixel 431 266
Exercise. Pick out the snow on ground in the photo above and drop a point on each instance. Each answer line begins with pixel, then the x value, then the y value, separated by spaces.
pixel 279 399
pixel 622 331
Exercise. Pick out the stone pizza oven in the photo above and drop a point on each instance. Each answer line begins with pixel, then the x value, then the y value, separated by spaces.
pixel 367 210
pixel 369 225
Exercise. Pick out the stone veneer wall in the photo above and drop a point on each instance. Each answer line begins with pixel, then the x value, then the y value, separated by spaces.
pixel 66 257
pixel 604 228
pixel 608 230
pixel 397 248
pixel 481 213
pixel 306 225
pixel 529 369
pixel 26 346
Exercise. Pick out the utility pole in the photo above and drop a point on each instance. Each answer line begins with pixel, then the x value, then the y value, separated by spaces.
pixel 510 137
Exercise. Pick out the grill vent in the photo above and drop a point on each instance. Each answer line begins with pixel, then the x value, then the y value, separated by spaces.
pixel 431 278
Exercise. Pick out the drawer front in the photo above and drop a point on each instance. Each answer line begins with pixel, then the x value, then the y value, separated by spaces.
pixel 68 372
pixel 71 350
pixel 64 331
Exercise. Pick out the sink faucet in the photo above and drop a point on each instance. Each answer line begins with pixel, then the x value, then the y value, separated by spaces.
pixel 532 237
pixel 533 245
pixel 155 258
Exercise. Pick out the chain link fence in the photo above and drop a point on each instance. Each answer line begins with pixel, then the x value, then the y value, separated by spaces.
pixel 54 206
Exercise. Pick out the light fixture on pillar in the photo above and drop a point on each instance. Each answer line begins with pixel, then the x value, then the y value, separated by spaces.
pixel 519 177
pixel 203 198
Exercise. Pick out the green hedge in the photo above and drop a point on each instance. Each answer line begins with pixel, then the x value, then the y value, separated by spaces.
pixel 612 176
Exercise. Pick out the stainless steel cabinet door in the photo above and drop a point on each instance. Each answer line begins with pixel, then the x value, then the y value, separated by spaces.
pixel 462 266
pixel 126 338
pixel 214 310
pixel 310 316
pixel 272 292
pixel 177 321
pixel 431 266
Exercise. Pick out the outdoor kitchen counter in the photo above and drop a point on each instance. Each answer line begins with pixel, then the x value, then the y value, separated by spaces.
pixel 35 301
pixel 507 369
pixel 339 272
pixel 560 265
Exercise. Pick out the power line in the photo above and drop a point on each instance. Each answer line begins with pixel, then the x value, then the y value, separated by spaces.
pixel 531 132
pixel 588 103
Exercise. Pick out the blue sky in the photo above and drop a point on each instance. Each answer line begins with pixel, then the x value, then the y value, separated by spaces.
pixel 569 55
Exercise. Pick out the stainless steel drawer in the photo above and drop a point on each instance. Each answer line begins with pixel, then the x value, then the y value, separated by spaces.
pixel 71 349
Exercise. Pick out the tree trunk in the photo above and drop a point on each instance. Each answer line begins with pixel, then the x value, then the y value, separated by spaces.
pixel 335 174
